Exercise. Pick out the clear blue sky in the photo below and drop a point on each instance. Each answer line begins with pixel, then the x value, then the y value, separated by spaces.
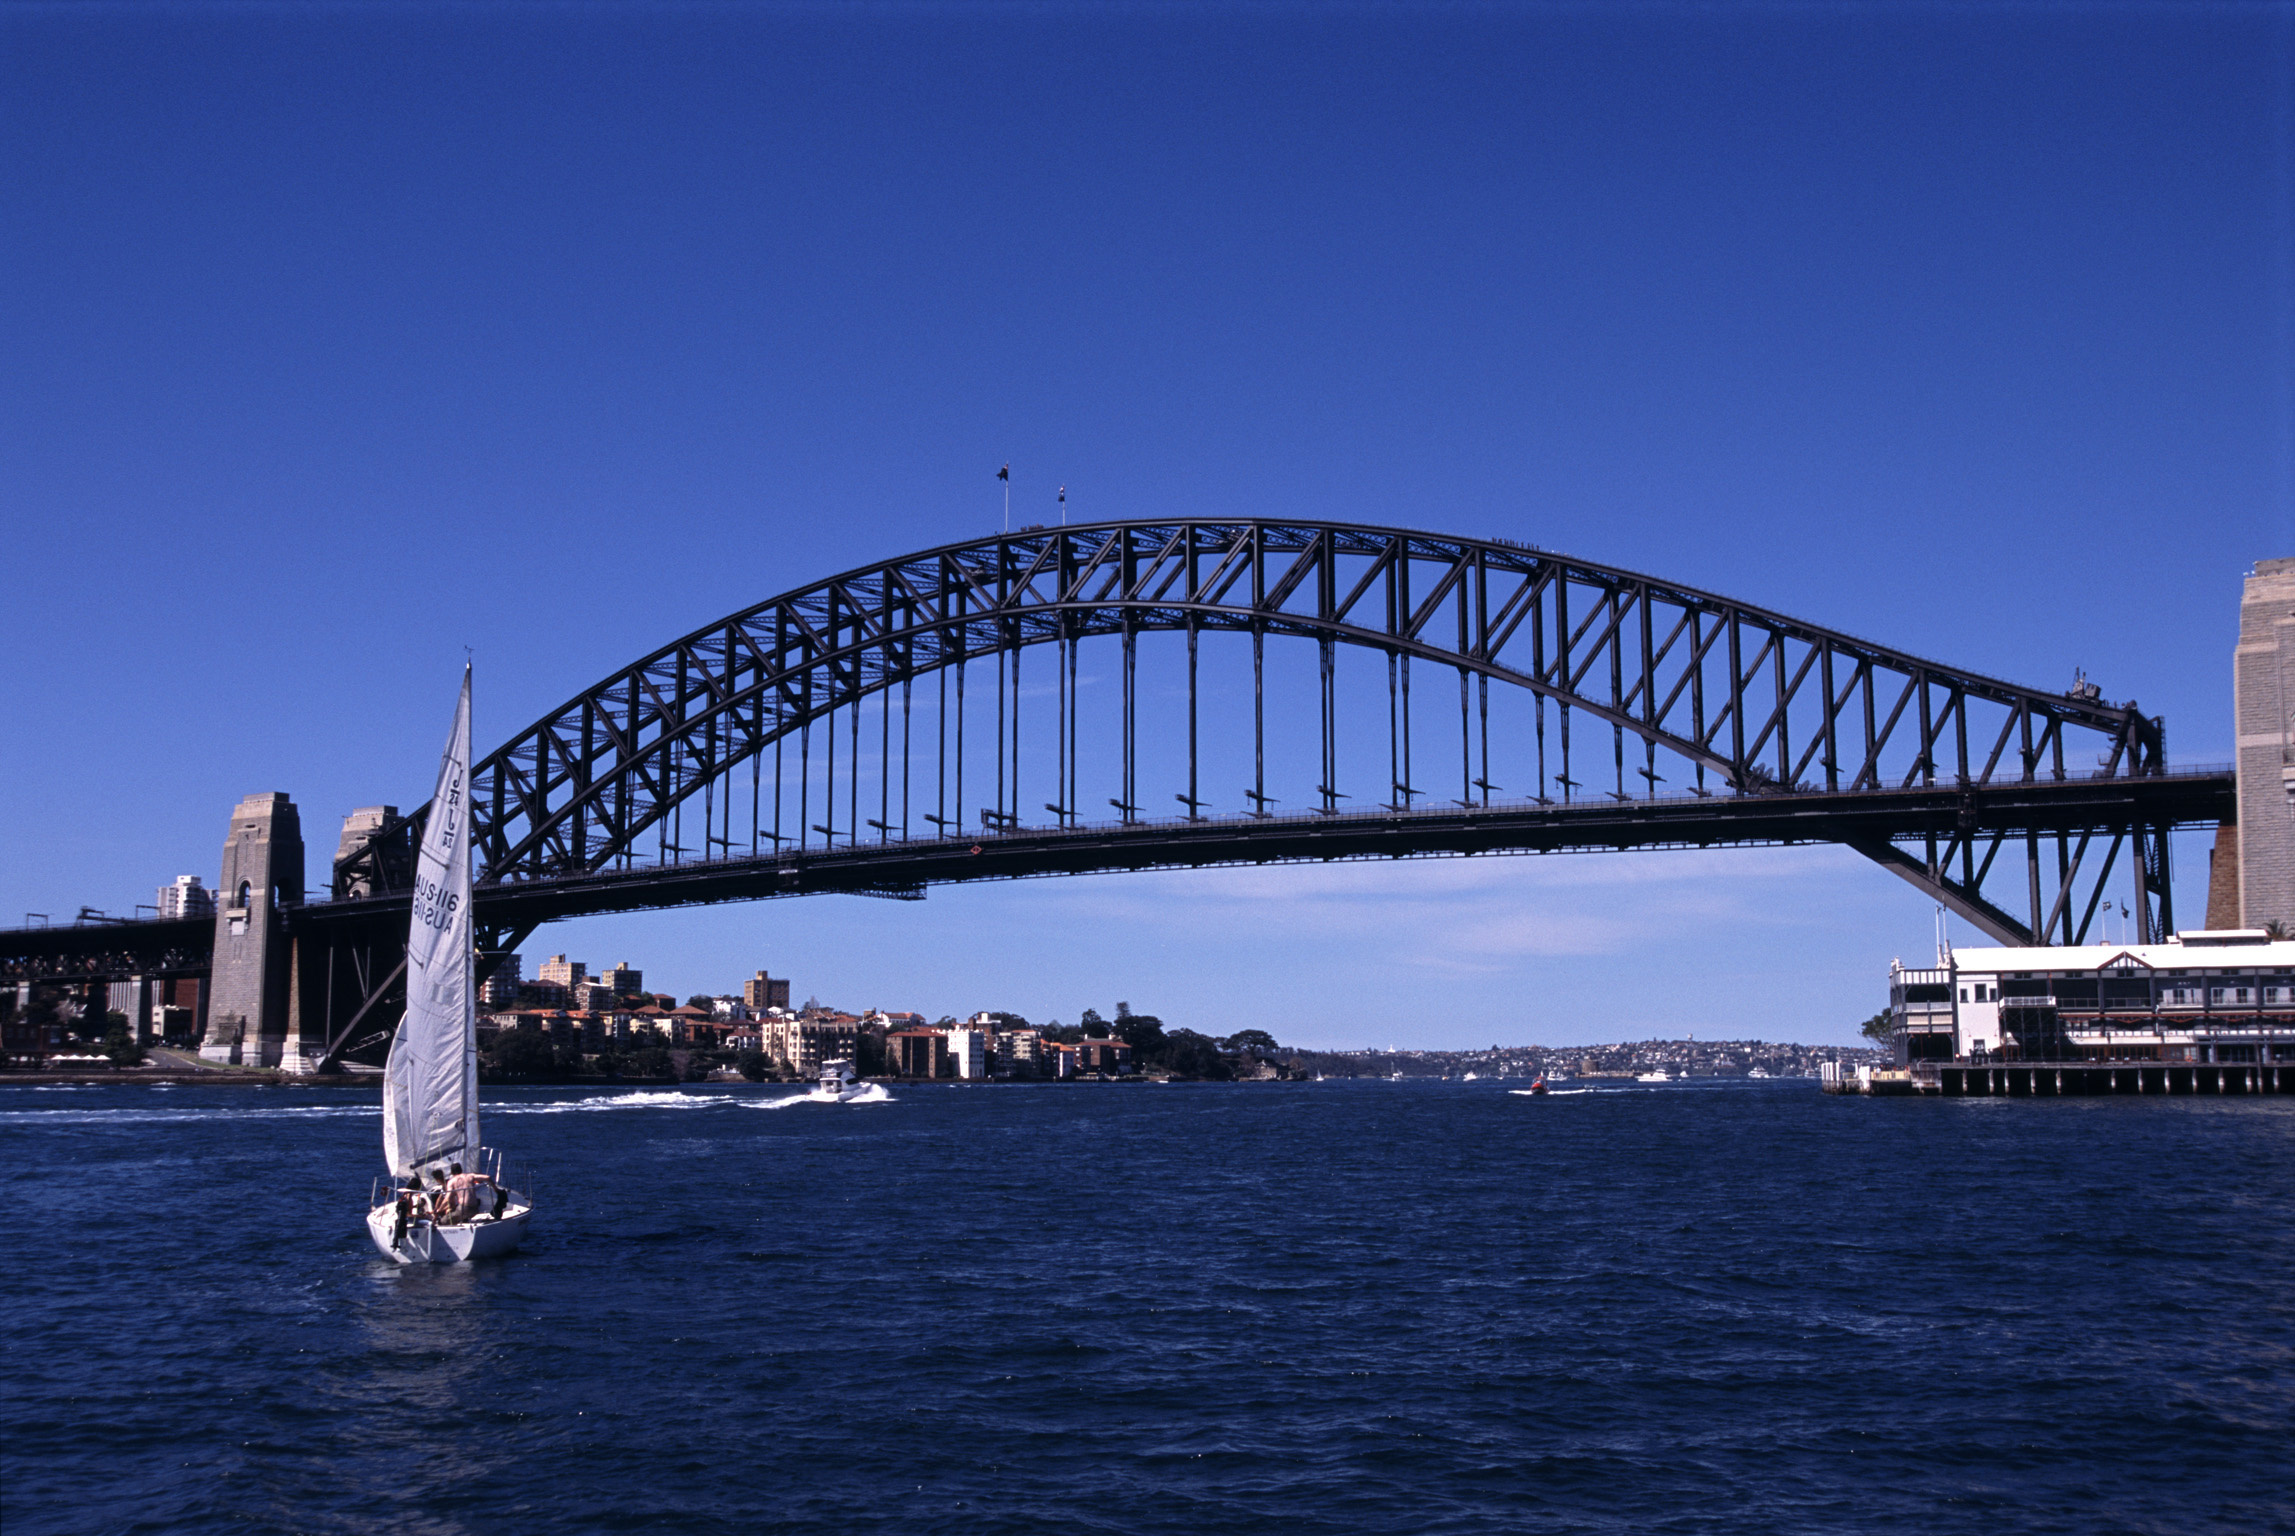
pixel 334 339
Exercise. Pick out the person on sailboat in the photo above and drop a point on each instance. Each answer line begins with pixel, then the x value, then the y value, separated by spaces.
pixel 463 1192
pixel 439 1198
pixel 409 1210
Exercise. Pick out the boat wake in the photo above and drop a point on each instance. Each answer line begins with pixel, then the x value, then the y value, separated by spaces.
pixel 181 1116
pixel 644 1098
pixel 1551 1093
pixel 874 1093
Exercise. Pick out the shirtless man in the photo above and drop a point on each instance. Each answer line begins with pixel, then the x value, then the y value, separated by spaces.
pixel 462 1192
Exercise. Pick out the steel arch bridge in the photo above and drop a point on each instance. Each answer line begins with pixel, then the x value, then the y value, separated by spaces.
pixel 1626 710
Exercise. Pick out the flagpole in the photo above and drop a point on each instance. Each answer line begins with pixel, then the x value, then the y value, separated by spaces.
pixel 1005 475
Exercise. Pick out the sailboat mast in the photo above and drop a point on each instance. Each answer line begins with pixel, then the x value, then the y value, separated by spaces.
pixel 469 950
pixel 430 1086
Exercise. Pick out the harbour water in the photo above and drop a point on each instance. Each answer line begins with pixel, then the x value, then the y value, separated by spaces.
pixel 1328 1307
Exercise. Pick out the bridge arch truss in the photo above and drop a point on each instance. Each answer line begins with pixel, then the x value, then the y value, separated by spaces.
pixel 1623 691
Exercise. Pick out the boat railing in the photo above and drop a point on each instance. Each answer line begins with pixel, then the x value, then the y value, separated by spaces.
pixel 518 1178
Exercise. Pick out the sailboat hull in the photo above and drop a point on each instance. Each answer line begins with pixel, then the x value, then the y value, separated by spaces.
pixel 428 1244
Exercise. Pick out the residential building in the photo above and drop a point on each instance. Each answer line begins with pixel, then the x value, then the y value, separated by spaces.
pixel 624 979
pixel 2203 996
pixel 542 994
pixel 1019 1052
pixel 1109 1056
pixel 1060 1060
pixel 917 1052
pixel 802 1042
pixel 700 1026
pixel 500 988
pixel 729 1008
pixel 761 992
pixel 968 1053
pixel 129 999
pixel 186 897
pixel 562 972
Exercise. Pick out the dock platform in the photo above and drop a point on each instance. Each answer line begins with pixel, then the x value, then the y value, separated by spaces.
pixel 2053 1079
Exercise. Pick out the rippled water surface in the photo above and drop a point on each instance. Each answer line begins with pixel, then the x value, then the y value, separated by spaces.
pixel 1321 1307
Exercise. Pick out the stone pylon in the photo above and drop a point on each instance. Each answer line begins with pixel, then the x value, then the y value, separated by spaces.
pixel 2263 703
pixel 250 992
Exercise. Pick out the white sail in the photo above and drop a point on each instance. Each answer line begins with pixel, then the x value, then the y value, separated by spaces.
pixel 430 1088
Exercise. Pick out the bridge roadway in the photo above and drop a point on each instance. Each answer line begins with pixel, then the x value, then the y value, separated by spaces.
pixel 1875 822
pixel 1863 819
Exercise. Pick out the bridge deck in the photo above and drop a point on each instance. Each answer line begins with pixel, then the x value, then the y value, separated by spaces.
pixel 907 867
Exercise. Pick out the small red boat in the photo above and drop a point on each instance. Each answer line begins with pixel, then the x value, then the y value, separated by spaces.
pixel 1539 1084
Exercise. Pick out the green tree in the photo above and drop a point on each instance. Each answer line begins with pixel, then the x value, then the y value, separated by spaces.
pixel 1143 1032
pixel 1188 1054
pixel 753 1065
pixel 701 1000
pixel 1879 1027
pixel 1094 1026
pixel 1251 1040
pixel 652 1061
pixel 522 1055
pixel 120 1044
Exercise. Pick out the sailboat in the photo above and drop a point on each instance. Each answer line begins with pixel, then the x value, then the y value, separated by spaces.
pixel 449 1197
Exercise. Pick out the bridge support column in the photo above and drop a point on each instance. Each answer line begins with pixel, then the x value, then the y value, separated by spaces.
pixel 305 1044
pixel 252 983
pixel 2263 702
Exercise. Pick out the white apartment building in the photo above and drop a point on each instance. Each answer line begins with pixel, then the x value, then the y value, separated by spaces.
pixel 186 897
pixel 968 1052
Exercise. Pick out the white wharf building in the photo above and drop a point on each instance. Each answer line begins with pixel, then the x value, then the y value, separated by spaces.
pixel 2202 997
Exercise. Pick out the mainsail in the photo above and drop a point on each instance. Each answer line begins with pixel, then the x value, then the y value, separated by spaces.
pixel 430 1088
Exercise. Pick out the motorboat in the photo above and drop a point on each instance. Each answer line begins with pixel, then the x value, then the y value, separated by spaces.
pixel 1758 1072
pixel 839 1084
pixel 1538 1084
pixel 1470 1077
pixel 1658 1076
pixel 449 1198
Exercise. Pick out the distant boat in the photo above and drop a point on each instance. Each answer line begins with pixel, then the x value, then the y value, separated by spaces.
pixel 1539 1084
pixel 1758 1072
pixel 1470 1077
pixel 1658 1076
pixel 449 1198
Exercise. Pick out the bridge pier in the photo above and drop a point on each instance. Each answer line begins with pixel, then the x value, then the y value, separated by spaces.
pixel 252 984
pixel 2263 691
